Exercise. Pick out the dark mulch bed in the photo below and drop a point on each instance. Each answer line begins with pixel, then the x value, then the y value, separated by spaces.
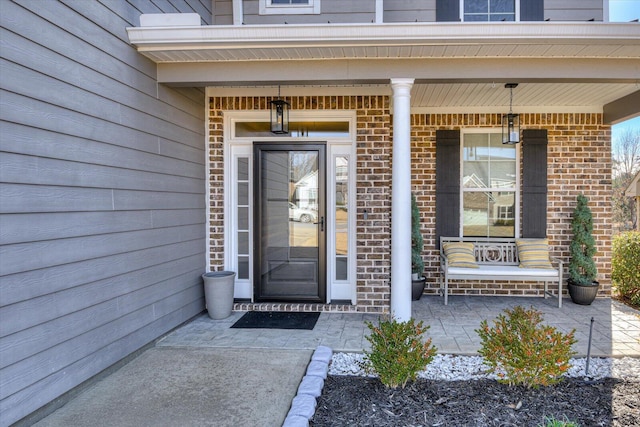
pixel 361 401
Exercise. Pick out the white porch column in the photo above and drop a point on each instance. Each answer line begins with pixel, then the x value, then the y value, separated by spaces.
pixel 401 201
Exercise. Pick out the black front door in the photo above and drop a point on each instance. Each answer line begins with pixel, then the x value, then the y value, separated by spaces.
pixel 289 222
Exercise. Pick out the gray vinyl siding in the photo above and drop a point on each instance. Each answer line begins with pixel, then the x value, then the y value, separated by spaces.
pixel 102 182
pixel 573 10
pixel 223 12
pixel 409 11
pixel 351 11
pixel 334 11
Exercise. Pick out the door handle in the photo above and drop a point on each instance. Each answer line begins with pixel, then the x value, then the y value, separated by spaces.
pixel 321 222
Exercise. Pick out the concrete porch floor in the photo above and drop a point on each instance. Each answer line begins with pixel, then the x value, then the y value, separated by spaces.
pixel 616 329
pixel 206 374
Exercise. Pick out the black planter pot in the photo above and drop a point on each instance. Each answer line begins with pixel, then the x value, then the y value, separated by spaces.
pixel 583 294
pixel 417 288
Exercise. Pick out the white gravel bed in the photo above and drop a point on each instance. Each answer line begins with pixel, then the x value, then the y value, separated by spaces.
pixel 451 367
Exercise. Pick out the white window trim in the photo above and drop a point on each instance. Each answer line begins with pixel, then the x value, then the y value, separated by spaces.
pixel 517 189
pixel 243 146
pixel 267 8
pixel 517 12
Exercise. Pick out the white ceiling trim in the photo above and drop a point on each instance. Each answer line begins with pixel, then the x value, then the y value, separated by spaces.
pixel 505 109
pixel 328 36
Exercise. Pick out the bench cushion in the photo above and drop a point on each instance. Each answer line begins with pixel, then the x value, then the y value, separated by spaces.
pixel 533 253
pixel 460 254
pixel 490 271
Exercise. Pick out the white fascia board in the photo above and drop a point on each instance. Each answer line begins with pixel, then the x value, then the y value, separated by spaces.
pixel 334 35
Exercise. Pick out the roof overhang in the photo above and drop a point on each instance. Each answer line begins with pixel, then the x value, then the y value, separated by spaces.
pixel 605 55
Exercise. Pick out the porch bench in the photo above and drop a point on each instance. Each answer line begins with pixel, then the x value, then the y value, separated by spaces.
pixel 497 259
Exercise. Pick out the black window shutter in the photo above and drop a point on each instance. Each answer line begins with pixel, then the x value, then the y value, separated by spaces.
pixel 534 183
pixel 532 10
pixel 447 10
pixel 447 184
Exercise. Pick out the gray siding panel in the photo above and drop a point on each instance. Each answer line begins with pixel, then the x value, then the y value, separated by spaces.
pixel 409 11
pixel 102 180
pixel 223 12
pixel 573 10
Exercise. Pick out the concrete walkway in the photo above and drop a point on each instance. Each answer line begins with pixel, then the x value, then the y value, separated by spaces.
pixel 205 373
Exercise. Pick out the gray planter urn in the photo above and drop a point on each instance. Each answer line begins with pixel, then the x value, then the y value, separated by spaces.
pixel 583 294
pixel 417 288
pixel 218 293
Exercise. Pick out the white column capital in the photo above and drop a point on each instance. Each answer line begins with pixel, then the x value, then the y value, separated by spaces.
pixel 398 84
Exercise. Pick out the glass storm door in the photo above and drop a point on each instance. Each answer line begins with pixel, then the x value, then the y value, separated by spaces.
pixel 289 222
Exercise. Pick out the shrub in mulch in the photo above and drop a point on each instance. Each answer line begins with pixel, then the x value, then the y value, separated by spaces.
pixel 365 401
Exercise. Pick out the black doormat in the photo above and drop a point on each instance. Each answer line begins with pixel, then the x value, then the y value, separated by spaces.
pixel 277 320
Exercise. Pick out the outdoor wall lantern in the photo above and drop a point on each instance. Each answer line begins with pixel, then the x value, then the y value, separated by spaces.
pixel 279 116
pixel 510 121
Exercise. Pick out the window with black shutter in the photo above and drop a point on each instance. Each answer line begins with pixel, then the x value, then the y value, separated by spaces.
pixel 489 192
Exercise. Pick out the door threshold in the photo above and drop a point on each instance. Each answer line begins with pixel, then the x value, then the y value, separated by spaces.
pixel 338 306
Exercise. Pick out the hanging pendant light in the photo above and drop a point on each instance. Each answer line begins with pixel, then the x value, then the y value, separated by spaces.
pixel 279 115
pixel 510 121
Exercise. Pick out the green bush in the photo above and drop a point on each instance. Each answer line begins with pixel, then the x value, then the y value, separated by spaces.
pixel 397 351
pixel 521 351
pixel 626 266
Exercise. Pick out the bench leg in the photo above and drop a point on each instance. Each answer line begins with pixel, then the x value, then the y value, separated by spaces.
pixel 559 293
pixel 446 290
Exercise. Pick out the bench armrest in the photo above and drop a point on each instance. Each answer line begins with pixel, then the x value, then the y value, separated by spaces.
pixel 559 262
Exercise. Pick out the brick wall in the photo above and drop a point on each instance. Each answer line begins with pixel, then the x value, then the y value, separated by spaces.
pixel 373 194
pixel 579 154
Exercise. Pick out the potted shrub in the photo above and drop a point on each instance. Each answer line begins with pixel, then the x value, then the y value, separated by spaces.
pixel 582 283
pixel 417 264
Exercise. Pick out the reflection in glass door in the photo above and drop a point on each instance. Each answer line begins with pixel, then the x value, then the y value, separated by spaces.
pixel 289 222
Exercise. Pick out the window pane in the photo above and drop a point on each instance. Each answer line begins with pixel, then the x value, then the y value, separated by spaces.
pixel 476 6
pixel 243 218
pixel 243 193
pixel 341 268
pixel 476 155
pixel 502 6
pixel 503 164
pixel 296 129
pixel 487 163
pixel 243 267
pixel 488 214
pixel 243 168
pixel 243 242
pixel 342 214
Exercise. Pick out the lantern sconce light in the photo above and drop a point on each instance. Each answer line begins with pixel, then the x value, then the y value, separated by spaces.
pixel 510 121
pixel 279 115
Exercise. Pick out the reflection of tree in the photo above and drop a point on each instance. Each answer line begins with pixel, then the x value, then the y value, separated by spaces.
pixel 302 164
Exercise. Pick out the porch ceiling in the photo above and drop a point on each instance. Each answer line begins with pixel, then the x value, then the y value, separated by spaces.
pixel 584 66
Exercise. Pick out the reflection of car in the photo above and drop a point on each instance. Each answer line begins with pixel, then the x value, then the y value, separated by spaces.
pixel 302 214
